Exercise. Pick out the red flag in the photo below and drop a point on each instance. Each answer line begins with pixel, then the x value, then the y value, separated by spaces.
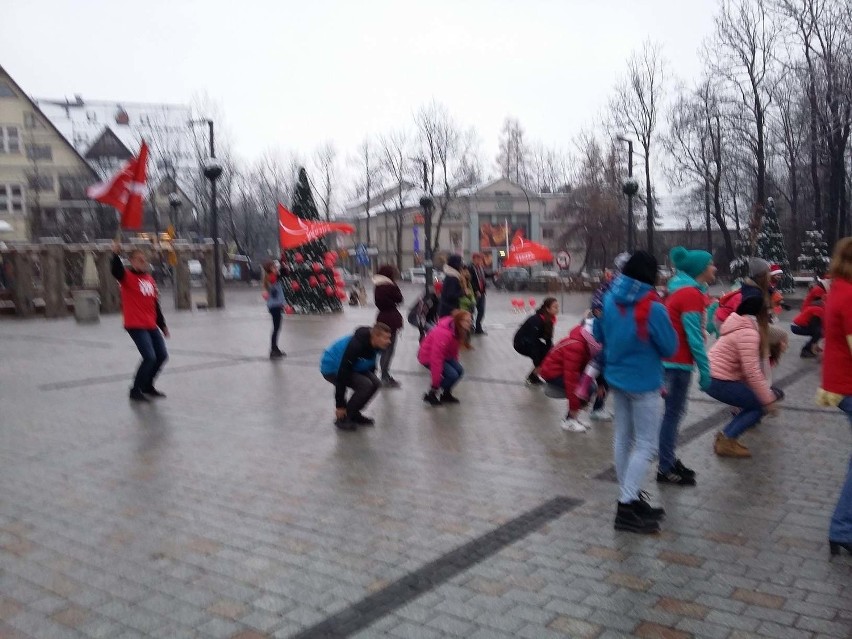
pixel 294 231
pixel 126 190
pixel 524 252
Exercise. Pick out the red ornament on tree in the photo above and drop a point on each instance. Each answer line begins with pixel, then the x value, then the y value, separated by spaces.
pixel 330 256
pixel 312 280
pixel 329 291
pixel 289 310
pixel 299 258
pixel 341 295
pixel 317 267
pixel 323 278
pixel 295 286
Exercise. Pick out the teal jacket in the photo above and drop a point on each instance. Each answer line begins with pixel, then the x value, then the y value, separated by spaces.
pixel 687 306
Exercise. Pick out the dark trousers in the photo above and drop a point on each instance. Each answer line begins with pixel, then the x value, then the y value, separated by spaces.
pixel 677 392
pixel 737 394
pixel 480 313
pixel 152 348
pixel 534 350
pixel 387 355
pixel 812 330
pixel 363 385
pixel 600 402
pixel 276 325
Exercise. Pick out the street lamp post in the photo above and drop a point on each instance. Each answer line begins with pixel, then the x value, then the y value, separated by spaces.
pixel 630 188
pixel 212 171
pixel 175 202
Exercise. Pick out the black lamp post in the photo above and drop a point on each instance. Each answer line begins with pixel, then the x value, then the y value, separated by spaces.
pixel 630 188
pixel 212 171
pixel 175 203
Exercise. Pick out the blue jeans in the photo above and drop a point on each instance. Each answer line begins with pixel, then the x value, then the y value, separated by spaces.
pixel 740 395
pixel 152 348
pixel 841 521
pixel 453 372
pixel 637 434
pixel 677 391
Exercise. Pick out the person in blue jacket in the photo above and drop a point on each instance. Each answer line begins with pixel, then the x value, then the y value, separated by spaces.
pixel 637 335
pixel 350 362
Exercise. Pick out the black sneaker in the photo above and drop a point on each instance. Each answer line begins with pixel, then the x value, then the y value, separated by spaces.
pixel 390 382
pixel 628 518
pixel 345 424
pixel 683 470
pixel 448 398
pixel 137 395
pixel 674 477
pixel 807 354
pixel 431 398
pixel 277 354
pixel 153 392
pixel 645 509
pixel 534 380
pixel 362 420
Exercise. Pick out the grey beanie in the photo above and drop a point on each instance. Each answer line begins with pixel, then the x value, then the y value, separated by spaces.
pixel 757 267
pixel 621 260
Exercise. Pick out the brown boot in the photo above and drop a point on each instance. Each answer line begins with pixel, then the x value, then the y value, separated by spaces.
pixel 729 447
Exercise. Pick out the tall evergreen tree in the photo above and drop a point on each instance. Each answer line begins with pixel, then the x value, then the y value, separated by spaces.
pixel 814 257
pixel 310 285
pixel 770 244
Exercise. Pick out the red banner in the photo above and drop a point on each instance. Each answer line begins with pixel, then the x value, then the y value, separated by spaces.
pixel 126 190
pixel 294 231
pixel 524 252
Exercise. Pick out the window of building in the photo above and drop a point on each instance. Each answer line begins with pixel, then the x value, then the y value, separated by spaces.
pixel 39 152
pixel 72 187
pixel 9 140
pixel 6 90
pixel 11 198
pixel 548 234
pixel 29 120
pixel 40 182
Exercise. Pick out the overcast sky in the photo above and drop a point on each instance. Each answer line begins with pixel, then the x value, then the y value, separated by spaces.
pixel 289 75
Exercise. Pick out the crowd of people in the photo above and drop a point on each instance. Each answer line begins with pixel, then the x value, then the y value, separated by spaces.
pixel 637 344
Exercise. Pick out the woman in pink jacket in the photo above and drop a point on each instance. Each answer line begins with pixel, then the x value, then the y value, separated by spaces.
pixel 737 378
pixel 439 352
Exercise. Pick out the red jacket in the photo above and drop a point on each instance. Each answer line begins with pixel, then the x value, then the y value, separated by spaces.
pixel 567 359
pixel 837 325
pixel 808 313
pixel 681 302
pixel 139 303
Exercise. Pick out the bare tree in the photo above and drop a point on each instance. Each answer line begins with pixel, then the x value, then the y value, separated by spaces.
pixel 449 156
pixel 634 110
pixel 368 181
pixel 695 145
pixel 741 53
pixel 549 169
pixel 396 164
pixel 324 162
pixel 513 156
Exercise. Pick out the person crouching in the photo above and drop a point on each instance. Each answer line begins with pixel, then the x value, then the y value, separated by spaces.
pixel 439 352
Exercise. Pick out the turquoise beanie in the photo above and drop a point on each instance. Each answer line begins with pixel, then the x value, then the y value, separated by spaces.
pixel 693 263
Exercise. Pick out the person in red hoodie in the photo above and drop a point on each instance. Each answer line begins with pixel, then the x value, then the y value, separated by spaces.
pixel 563 368
pixel 809 321
pixel 143 320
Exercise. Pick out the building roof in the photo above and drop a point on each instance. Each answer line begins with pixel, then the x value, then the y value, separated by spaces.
pixel 63 140
pixel 108 145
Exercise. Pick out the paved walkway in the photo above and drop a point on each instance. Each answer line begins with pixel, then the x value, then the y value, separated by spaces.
pixel 234 508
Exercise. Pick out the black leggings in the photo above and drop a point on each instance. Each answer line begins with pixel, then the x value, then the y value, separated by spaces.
pixel 387 355
pixel 812 330
pixel 276 325
pixel 536 351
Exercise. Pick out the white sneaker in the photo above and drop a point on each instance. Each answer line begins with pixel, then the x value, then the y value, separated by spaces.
pixel 602 415
pixel 571 425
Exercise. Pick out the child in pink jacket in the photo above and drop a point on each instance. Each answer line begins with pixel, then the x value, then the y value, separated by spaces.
pixel 439 352
pixel 737 378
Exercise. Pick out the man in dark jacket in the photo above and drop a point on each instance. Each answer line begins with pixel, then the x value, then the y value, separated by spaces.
pixel 350 362
pixel 477 280
pixel 452 291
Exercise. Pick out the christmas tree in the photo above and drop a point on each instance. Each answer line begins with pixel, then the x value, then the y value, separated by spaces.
pixel 814 257
pixel 770 245
pixel 311 284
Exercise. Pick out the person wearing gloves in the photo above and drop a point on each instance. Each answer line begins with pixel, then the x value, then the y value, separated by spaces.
pixel 737 376
pixel 439 352
pixel 564 366
pixel 388 297
pixel 451 291
pixel 637 335
pixel 686 303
